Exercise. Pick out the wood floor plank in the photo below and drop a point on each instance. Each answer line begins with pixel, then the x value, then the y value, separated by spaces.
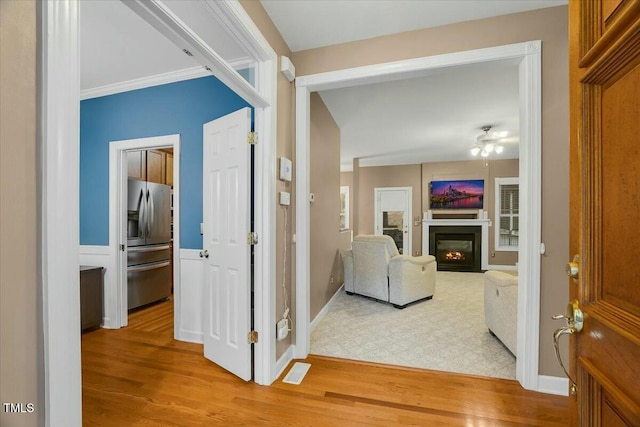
pixel 139 375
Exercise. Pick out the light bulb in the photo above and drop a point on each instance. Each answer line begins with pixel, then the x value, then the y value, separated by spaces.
pixel 488 148
pixel 499 148
pixel 484 153
pixel 475 151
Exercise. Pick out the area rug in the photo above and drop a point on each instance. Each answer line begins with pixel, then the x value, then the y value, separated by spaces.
pixel 447 333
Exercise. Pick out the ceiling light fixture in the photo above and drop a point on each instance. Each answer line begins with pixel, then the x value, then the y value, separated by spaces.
pixel 485 144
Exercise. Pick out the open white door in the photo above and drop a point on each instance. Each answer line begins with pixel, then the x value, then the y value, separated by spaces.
pixel 226 210
pixel 393 215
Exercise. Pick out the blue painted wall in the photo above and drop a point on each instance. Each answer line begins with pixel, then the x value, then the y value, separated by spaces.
pixel 176 108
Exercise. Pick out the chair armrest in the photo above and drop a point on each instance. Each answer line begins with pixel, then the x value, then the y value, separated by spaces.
pixel 500 279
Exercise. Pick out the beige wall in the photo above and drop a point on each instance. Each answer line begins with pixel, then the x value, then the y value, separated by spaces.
pixel 21 356
pixel 326 273
pixel 549 25
pixel 475 169
pixel 285 144
pixel 389 176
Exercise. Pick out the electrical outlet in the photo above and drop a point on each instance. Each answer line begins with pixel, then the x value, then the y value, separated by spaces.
pixel 331 280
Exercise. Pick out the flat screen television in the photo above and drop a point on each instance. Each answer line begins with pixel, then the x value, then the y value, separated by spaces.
pixel 463 194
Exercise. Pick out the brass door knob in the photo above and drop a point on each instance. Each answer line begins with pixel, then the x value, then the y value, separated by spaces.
pixel 573 269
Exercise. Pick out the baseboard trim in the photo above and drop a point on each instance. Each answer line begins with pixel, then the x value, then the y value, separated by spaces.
pixel 553 385
pixel 283 361
pixel 316 321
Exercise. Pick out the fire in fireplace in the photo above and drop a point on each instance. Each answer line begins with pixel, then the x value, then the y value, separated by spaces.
pixel 456 248
pixel 454 256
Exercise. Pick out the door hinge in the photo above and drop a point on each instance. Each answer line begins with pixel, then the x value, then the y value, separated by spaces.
pixel 122 248
pixel 252 238
pixel 252 138
pixel 252 337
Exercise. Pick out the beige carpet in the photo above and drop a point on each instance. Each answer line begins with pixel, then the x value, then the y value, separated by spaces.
pixel 447 333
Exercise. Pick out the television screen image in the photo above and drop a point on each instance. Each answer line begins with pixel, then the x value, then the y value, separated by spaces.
pixel 465 194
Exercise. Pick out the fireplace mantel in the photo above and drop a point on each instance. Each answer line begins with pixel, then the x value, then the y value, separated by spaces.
pixel 480 220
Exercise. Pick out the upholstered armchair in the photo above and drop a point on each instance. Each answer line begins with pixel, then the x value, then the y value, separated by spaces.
pixel 374 268
pixel 501 307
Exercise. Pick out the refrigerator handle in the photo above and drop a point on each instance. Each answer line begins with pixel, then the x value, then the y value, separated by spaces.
pixel 141 213
pixel 150 213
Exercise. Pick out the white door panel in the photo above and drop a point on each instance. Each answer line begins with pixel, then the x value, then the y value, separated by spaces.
pixel 226 216
pixel 393 215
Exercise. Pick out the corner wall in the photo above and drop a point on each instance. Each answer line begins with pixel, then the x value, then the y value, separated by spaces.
pixel 21 339
pixel 326 273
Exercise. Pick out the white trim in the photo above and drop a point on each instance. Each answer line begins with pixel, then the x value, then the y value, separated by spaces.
pixel 116 291
pixel 325 310
pixel 144 82
pixel 553 385
pixel 283 361
pixel 530 174
pixel 302 343
pixel 59 212
pixel 171 26
pixel 529 54
pixel 157 80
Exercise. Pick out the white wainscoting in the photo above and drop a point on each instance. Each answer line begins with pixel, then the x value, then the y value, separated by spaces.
pixel 190 298
pixel 98 256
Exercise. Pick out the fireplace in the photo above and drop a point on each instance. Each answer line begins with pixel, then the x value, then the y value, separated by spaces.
pixel 456 248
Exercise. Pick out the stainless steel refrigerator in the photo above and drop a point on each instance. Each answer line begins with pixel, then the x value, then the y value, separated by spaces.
pixel 148 242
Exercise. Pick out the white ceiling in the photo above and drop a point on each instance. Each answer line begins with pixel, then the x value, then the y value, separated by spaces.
pixel 118 46
pixel 435 118
pixel 428 119
pixel 307 24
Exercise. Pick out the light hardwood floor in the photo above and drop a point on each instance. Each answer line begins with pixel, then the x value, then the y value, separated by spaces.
pixel 140 376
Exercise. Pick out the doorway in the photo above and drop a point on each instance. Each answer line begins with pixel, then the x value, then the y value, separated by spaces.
pixel 528 56
pixel 392 213
pixel 59 186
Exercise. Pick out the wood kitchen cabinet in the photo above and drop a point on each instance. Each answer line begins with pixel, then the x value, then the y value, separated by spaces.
pixel 151 165
pixel 156 165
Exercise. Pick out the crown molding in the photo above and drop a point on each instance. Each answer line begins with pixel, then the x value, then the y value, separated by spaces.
pixel 157 80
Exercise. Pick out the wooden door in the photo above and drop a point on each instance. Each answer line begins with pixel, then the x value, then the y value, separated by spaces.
pixel 227 260
pixel 605 210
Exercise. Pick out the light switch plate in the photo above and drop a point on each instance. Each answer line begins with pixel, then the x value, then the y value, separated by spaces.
pixel 285 169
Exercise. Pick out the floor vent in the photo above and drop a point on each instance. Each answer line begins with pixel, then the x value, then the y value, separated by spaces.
pixel 297 373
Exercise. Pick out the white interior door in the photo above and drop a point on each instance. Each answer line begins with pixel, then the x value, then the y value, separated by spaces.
pixel 226 254
pixel 393 215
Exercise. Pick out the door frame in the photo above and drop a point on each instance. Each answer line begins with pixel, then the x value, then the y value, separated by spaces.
pixel 529 55
pixel 115 309
pixel 376 206
pixel 58 189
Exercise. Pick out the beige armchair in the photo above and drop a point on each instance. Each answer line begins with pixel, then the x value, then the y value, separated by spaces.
pixel 374 268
